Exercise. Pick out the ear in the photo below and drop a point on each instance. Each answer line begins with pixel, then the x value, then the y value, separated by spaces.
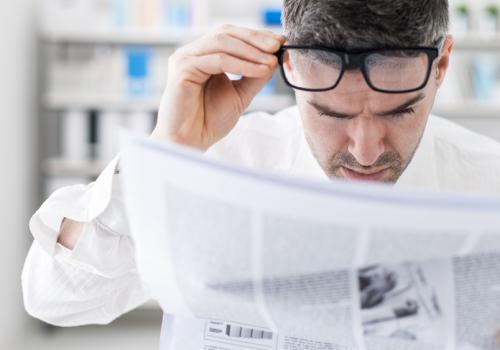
pixel 444 59
pixel 287 63
pixel 286 59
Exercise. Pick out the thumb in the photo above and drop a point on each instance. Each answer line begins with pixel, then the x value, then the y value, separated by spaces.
pixel 248 88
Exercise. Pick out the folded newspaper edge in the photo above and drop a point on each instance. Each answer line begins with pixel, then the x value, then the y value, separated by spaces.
pixel 246 259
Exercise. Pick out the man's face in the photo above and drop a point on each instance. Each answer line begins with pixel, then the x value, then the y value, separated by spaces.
pixel 359 134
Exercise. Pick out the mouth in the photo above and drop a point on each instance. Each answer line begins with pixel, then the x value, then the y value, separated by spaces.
pixel 378 175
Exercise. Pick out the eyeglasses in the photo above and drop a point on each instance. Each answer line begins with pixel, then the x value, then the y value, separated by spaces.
pixel 392 70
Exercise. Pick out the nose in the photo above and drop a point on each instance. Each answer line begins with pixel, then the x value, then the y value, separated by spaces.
pixel 367 137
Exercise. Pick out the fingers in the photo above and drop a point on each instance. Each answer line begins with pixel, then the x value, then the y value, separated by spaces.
pixel 219 63
pixel 266 41
pixel 224 43
pixel 251 45
pixel 240 51
pixel 257 46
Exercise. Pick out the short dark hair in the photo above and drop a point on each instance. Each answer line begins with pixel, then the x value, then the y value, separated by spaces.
pixel 352 24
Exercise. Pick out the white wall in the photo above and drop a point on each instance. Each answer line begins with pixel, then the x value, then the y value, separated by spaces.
pixel 17 135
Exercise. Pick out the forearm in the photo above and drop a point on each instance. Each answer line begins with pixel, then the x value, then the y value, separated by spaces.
pixel 81 267
pixel 70 233
pixel 61 293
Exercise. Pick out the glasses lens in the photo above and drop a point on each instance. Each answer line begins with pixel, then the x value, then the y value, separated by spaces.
pixel 312 69
pixel 397 70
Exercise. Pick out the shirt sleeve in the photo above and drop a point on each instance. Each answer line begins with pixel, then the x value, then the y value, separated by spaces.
pixel 95 282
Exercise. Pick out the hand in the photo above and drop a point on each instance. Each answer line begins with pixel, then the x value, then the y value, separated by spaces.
pixel 201 105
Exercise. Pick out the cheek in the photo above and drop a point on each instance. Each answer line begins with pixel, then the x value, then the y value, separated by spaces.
pixel 326 136
pixel 404 135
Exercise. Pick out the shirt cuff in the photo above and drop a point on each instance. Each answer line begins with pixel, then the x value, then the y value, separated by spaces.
pixel 80 203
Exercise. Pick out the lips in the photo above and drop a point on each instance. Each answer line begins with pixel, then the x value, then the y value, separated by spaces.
pixel 365 176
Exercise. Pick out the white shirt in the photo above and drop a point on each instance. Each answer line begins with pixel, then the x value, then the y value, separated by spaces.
pixel 98 281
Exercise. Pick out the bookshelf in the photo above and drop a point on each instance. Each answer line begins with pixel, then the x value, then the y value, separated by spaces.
pixel 56 98
pixel 473 41
pixel 477 42
pixel 461 112
pixel 62 101
pixel 481 117
pixel 469 108
pixel 161 37
pixel 71 88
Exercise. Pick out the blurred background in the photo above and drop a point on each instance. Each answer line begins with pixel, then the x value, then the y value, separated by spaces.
pixel 73 71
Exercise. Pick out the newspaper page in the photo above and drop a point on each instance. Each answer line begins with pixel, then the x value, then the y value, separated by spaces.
pixel 244 259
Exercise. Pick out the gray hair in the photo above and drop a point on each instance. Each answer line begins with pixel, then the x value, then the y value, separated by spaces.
pixel 359 24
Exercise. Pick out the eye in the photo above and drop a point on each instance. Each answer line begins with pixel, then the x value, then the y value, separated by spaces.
pixel 333 116
pixel 323 114
pixel 403 113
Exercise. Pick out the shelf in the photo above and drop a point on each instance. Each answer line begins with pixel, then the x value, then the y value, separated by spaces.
pixel 65 101
pixel 118 37
pixel 59 101
pixel 469 109
pixel 271 103
pixel 56 167
pixel 477 42
pixel 161 37
pixel 176 36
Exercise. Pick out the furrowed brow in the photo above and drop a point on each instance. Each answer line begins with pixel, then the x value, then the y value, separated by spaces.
pixel 414 100
pixel 330 112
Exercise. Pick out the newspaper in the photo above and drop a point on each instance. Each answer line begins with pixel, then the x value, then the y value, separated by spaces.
pixel 243 259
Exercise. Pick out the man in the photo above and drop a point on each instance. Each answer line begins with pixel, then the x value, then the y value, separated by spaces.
pixel 365 73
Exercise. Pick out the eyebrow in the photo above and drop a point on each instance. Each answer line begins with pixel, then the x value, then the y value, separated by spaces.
pixel 329 112
pixel 414 100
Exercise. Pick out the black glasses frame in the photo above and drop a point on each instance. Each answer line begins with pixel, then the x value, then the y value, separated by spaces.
pixel 357 58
